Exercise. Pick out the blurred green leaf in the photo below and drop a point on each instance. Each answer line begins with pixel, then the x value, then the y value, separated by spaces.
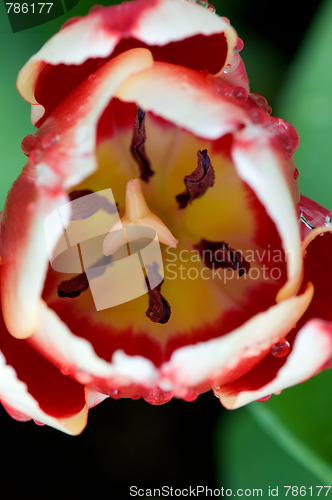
pixel 248 457
pixel 300 420
pixel 307 103
pixel 285 441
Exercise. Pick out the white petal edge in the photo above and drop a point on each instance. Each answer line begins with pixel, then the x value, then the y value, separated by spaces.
pixel 14 394
pixel 55 340
pixel 192 365
pixel 90 38
pixel 260 167
pixel 184 98
pixel 312 349
pixel 78 141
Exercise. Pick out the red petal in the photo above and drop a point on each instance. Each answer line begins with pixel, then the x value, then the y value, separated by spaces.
pixel 179 32
pixel 35 388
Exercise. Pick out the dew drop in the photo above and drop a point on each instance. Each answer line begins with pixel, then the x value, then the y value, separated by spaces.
pixel 280 349
pixel 38 423
pixel 227 68
pixel 191 395
pixel 49 139
pixel 262 400
pixel 115 393
pixel 296 173
pixel 65 370
pixel 239 45
pixel 240 93
pixel 92 77
pixel 157 397
pixel 28 143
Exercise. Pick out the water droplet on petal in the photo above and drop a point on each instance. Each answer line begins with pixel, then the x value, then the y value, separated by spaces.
pixel 296 173
pixel 28 143
pixel 65 370
pixel 49 139
pixel 280 349
pixel 92 77
pixel 240 93
pixel 262 400
pixel 114 393
pixel 38 423
pixel 191 395
pixel 239 45
pixel 225 19
pixel 158 397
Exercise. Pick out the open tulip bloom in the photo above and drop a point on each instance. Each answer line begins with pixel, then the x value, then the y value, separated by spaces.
pixel 155 244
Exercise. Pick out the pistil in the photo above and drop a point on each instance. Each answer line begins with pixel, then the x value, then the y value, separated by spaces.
pixel 137 213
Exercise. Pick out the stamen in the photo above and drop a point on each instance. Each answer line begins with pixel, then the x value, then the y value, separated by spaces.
pixel 218 254
pixel 82 210
pixel 198 181
pixel 137 147
pixel 73 287
pixel 159 310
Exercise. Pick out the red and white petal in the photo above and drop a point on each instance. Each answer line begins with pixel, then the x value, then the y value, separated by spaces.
pixel 235 73
pixel 218 361
pixel 150 23
pixel 317 249
pixel 57 162
pixel 311 352
pixel 269 175
pixel 93 398
pixel 75 356
pixel 185 98
pixel 32 388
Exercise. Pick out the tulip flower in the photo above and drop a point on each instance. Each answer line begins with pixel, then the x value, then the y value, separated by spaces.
pixel 150 99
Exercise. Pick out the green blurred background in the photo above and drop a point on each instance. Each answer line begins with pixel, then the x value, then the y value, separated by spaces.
pixel 286 441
